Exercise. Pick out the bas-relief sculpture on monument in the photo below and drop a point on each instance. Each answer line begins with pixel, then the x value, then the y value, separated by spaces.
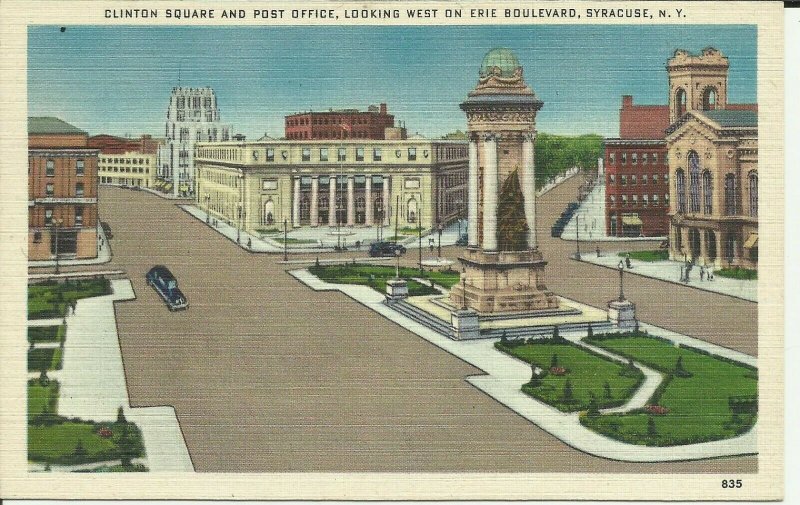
pixel 502 273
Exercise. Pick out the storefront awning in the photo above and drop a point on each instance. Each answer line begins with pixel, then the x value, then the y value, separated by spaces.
pixel 752 241
pixel 631 221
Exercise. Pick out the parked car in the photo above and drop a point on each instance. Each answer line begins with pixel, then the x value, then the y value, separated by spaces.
pixel 106 230
pixel 166 286
pixel 382 249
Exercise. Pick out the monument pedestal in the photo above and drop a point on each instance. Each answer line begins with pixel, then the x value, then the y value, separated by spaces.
pixel 504 281
pixel 622 313
pixel 465 324
pixel 396 289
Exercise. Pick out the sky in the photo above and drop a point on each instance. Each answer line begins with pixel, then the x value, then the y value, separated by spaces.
pixel 117 79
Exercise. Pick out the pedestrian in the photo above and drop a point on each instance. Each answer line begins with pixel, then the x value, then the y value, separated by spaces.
pixel 710 273
pixel 72 305
pixel 702 273
pixel 249 243
pixel 598 252
pixel 628 261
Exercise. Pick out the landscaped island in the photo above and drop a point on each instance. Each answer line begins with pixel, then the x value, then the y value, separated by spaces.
pixel 573 378
pixel 702 397
pixel 375 276
pixel 51 299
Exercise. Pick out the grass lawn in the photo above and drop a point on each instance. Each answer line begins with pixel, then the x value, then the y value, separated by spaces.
pixel 40 397
pixel 76 442
pixel 587 372
pixel 376 276
pixel 44 359
pixel 659 255
pixel 51 299
pixel 115 468
pixel 290 240
pixel 38 334
pixel 738 273
pixel 699 408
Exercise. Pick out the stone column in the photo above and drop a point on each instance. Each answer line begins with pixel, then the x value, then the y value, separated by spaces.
pixel 386 216
pixel 332 201
pixel 490 194
pixel 351 204
pixel 315 200
pixel 368 198
pixel 703 247
pixel 296 203
pixel 529 188
pixel 472 196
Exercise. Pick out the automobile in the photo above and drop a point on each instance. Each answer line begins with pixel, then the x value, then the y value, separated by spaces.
pixel 463 240
pixel 165 284
pixel 106 229
pixel 383 249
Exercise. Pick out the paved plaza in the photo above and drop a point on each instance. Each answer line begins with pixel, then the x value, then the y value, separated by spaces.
pixel 267 375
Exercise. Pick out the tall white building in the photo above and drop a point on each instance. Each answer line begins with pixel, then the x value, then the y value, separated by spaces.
pixel 192 116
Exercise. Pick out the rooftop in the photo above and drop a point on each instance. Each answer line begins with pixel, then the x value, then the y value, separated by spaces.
pixel 727 118
pixel 48 125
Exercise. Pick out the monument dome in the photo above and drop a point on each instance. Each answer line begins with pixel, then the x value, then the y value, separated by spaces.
pixel 499 61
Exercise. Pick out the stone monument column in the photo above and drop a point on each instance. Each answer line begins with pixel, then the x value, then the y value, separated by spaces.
pixel 315 200
pixel 351 204
pixel 386 217
pixel 472 197
pixel 490 194
pixel 368 198
pixel 296 203
pixel 529 187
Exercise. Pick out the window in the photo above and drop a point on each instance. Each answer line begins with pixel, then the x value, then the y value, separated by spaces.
pixel 323 154
pixel 79 189
pixel 412 154
pixel 694 181
pixel 78 216
pixel 359 154
pixel 377 154
pixel 655 199
pixel 635 199
pixel 634 158
pixel 644 179
pixel 624 180
pixel 680 190
pixel 753 180
pixel 613 200
pixel 48 217
pixel 612 179
pixel 79 167
pixel 645 200
pixel 624 200
pixel 633 179
pixel 612 158
pixel 306 155
pixel 48 189
pixel 655 158
pixel 730 195
pixel 666 198
pixel 37 237
pixel 342 154
pixel 708 193
pixel 644 159
pixel 624 158
pixel 270 154
pixel 50 171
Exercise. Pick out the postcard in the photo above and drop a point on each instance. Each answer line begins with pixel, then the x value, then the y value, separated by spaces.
pixel 396 251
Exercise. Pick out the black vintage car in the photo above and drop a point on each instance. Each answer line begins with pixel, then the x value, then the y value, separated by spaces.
pixel 383 249
pixel 166 286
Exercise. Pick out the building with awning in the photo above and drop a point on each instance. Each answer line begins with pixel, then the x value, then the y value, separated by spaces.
pixel 631 225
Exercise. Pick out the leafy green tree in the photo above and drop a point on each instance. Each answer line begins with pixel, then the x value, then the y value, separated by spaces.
pixel 121 416
pixel 80 451
pixel 512 228
pixel 607 390
pixel 651 427
pixel 556 336
pixel 554 361
pixel 567 394
pixel 594 408
pixel 589 332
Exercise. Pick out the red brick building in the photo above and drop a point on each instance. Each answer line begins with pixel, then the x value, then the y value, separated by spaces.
pixel 636 172
pixel 62 191
pixel 109 144
pixel 336 124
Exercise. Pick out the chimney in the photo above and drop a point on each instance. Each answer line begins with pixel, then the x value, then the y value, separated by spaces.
pixel 627 101
pixel 384 109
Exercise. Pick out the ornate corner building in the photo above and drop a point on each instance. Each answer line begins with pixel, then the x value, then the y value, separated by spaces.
pixel 712 150
pixel 503 268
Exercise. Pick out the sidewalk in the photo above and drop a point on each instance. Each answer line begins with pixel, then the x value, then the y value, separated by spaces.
pixel 93 383
pixel 591 217
pixel 670 271
pixel 504 375
pixel 103 255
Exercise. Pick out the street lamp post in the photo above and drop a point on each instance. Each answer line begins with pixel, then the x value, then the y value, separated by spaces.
pixel 621 268
pixel 577 238
pixel 285 239
pixel 439 252
pixel 419 230
pixel 56 224
pixel 208 204
pixel 238 222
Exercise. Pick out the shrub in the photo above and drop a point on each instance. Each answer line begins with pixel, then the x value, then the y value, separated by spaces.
pixel 607 390
pixel 567 395
pixel 651 427
pixel 679 370
pixel 594 409
pixel 554 361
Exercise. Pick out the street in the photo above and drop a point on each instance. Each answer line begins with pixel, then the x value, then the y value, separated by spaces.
pixel 267 375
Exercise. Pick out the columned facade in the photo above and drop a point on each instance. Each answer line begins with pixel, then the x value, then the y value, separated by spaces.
pixel 503 269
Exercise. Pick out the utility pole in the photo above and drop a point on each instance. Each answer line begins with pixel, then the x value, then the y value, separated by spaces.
pixel 285 239
pixel 577 238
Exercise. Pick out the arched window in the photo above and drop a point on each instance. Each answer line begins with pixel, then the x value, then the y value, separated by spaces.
pixel 680 102
pixel 305 209
pixel 612 221
pixel 708 193
pixel 710 98
pixel 730 195
pixel 411 212
pixel 694 182
pixel 680 190
pixel 753 180
pixel 269 212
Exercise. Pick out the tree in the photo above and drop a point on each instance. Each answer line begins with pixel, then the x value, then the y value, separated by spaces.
pixel 556 336
pixel 607 390
pixel 80 451
pixel 504 339
pixel 651 427
pixel 126 447
pixel 121 416
pixel 512 227
pixel 554 361
pixel 589 332
pixel 536 379
pixel 43 379
pixel 594 408
pixel 567 395
pixel 679 370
